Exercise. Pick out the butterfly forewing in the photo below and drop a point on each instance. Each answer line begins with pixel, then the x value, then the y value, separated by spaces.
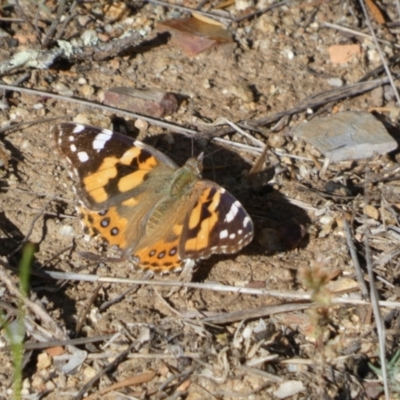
pixel 109 168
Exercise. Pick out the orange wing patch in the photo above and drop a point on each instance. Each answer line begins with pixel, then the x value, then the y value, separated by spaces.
pixel 95 182
pixel 160 257
pixel 202 224
pixel 108 224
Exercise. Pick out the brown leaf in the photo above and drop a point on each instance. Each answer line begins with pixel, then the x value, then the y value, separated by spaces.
pixel 193 36
pixel 375 12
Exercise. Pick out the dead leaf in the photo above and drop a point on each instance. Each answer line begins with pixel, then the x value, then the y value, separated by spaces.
pixel 375 12
pixel 193 36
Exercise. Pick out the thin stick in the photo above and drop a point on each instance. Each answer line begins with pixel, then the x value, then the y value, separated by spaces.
pixel 209 286
pixel 54 24
pixel 61 343
pixel 380 326
pixel 85 311
pixel 357 33
pixel 353 252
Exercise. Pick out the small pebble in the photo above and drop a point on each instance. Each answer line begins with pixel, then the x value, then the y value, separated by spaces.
pixel 83 20
pixel 89 373
pixel 326 219
pixel 141 124
pixel 81 119
pixel 66 230
pixel 63 89
pixel 288 53
pixel 241 5
pixel 43 361
pixel 371 211
pixel 242 91
pixel 87 90
pixel 276 140
pixel 335 82
pixel 90 38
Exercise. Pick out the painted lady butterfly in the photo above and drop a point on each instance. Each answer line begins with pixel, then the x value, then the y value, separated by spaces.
pixel 139 200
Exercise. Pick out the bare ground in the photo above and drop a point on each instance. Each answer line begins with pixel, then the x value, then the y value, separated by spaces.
pixel 278 59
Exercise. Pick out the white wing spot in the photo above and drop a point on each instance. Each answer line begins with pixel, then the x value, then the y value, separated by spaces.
pixel 232 212
pixel 59 141
pixel 73 148
pixel 78 128
pixel 223 234
pixel 232 236
pixel 71 138
pixel 240 231
pixel 83 156
pixel 101 139
pixel 246 221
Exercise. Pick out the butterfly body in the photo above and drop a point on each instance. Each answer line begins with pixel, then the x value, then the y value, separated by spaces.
pixel 136 198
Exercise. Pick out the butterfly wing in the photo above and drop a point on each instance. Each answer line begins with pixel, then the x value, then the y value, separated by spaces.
pixel 216 223
pixel 210 221
pixel 117 180
pixel 109 168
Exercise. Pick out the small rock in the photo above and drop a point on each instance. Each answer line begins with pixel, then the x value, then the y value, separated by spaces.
pixel 371 211
pixel 82 81
pixel 288 388
pixel 89 373
pixel 242 91
pixel 141 124
pixel 335 82
pixel 62 89
pixel 83 20
pixel 81 119
pixel 155 103
pixel 67 231
pixel 276 140
pixel 90 38
pixel 242 5
pixel 87 90
pixel 348 135
pixel 43 362
pixel 287 52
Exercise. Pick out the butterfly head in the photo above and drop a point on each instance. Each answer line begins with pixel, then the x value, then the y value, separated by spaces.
pixel 195 165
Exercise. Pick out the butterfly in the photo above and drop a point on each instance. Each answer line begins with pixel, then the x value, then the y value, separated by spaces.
pixel 162 216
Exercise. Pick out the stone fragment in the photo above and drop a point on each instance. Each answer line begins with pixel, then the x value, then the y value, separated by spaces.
pixel 348 135
pixel 154 103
